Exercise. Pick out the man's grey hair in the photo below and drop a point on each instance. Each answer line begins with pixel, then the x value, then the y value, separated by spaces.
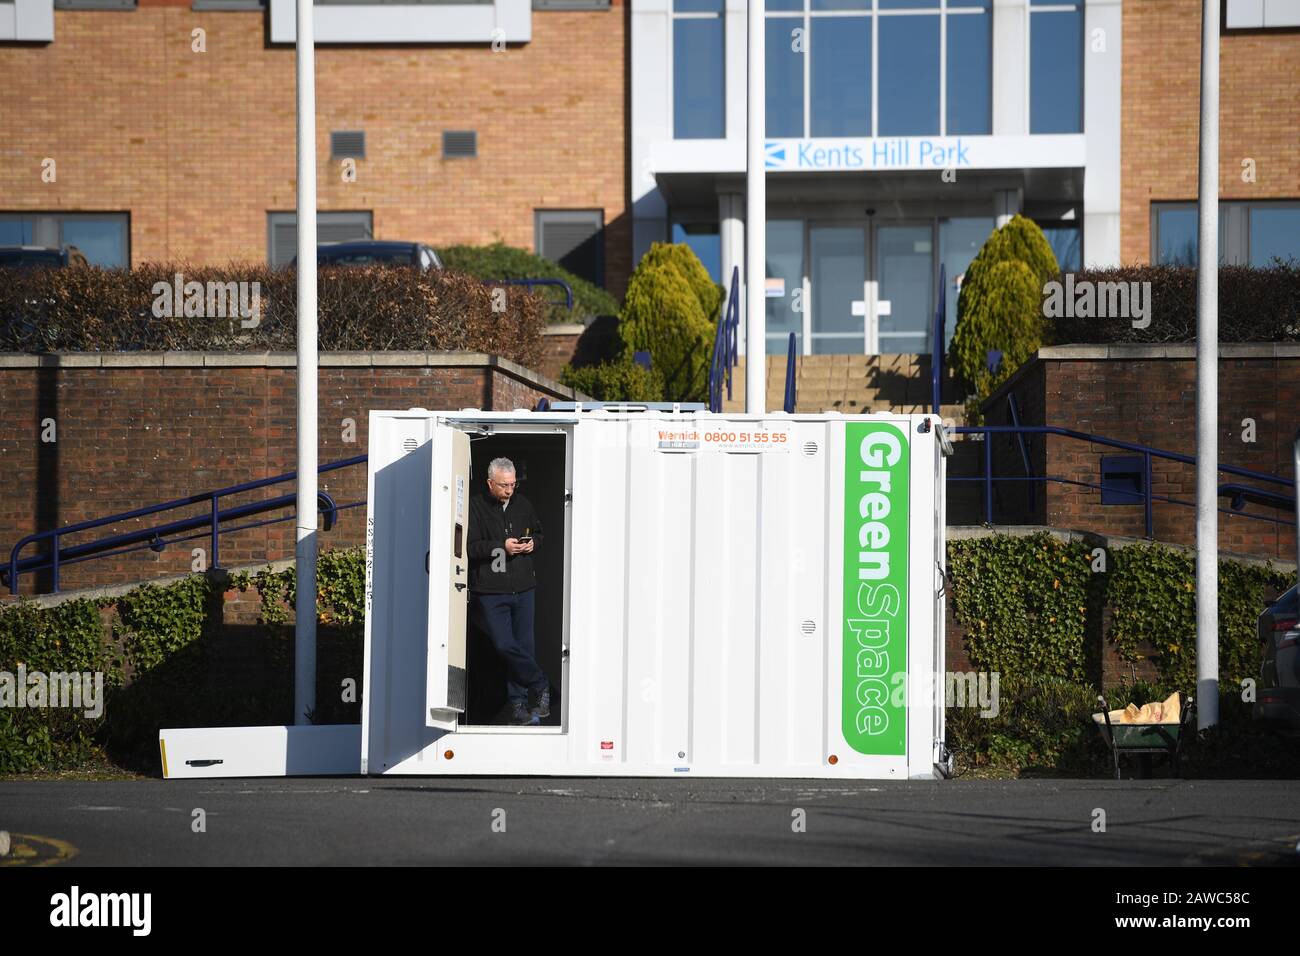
pixel 500 465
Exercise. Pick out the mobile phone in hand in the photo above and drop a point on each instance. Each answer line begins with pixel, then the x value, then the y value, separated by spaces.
pixel 526 539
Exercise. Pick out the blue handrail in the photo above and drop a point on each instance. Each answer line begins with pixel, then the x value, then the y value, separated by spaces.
pixel 790 398
pixel 568 290
pixel 725 345
pixel 936 347
pixel 154 536
pixel 1147 452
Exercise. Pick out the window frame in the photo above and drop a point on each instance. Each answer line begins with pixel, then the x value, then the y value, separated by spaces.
pixel 673 17
pixel 274 217
pixel 1235 227
pixel 574 216
pixel 95 5
pixel 872 12
pixel 1047 8
pixel 59 215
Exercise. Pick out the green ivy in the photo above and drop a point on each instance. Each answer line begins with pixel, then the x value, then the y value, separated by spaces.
pixel 1152 594
pixel 160 621
pixel 66 638
pixel 1023 602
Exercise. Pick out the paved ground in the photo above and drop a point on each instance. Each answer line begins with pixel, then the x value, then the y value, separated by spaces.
pixel 351 821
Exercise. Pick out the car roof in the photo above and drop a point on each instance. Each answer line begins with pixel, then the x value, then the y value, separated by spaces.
pixel 367 245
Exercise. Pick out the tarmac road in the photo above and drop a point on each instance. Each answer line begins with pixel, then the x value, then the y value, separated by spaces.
pixel 519 820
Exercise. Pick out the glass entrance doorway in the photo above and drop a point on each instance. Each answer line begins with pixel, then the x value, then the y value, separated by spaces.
pixel 867 288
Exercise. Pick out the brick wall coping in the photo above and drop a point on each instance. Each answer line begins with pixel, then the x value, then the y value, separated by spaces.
pixel 565 328
pixel 1177 351
pixel 285 360
pixel 1174 350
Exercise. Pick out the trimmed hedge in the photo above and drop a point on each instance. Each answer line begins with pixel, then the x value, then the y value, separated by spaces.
pixel 622 380
pixel 499 261
pixel 1000 306
pixel 374 308
pixel 671 310
pixel 1255 305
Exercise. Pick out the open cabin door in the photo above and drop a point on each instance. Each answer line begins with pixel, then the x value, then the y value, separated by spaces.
pixel 448 565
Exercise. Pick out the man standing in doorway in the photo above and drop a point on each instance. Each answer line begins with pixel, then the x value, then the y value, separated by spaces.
pixel 504 534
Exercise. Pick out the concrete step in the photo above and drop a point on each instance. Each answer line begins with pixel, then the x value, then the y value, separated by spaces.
pixel 852 384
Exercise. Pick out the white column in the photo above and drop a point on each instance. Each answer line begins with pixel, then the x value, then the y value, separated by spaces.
pixel 1006 203
pixel 756 219
pixel 731 235
pixel 1010 67
pixel 651 77
pixel 1102 106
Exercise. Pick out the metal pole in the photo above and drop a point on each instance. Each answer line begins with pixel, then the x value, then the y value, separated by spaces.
pixel 756 219
pixel 304 670
pixel 1295 473
pixel 1207 380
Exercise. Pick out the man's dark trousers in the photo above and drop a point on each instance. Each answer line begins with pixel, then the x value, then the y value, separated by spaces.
pixel 508 621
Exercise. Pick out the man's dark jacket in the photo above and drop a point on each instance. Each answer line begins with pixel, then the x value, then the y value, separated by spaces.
pixel 489 527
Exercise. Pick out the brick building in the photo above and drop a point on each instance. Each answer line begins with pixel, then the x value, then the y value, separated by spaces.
pixel 900 133
pixel 162 143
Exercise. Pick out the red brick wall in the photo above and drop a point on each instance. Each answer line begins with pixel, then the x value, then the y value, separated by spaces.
pixel 128 437
pixel 1124 394
pixel 1259 113
pixel 198 147
pixel 557 351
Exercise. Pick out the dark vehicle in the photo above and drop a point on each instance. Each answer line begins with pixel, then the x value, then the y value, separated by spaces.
pixel 40 257
pixel 1278 697
pixel 370 252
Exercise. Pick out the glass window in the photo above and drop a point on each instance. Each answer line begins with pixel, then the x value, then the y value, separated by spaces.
pixel 698 77
pixel 960 241
pixel 776 6
pixel 846 4
pixel 785 276
pixel 1064 240
pixel 1176 235
pixel 15 231
pixel 697 6
pixel 970 74
pixel 909 76
pixel 841 76
pixel 1056 71
pixel 906 277
pixel 784 78
pixel 104 238
pixel 1274 234
pixel 705 242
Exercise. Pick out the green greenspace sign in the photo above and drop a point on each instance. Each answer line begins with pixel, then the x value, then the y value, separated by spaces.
pixel 876 484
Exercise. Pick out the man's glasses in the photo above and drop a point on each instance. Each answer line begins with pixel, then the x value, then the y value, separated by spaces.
pixel 505 484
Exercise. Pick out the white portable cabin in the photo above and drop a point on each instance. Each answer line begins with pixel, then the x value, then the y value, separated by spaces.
pixel 718 595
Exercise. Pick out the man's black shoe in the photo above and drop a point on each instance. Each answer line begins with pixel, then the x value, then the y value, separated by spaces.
pixel 540 703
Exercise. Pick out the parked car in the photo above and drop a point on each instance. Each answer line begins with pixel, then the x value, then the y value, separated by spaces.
pixel 37 257
pixel 369 252
pixel 1278 695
